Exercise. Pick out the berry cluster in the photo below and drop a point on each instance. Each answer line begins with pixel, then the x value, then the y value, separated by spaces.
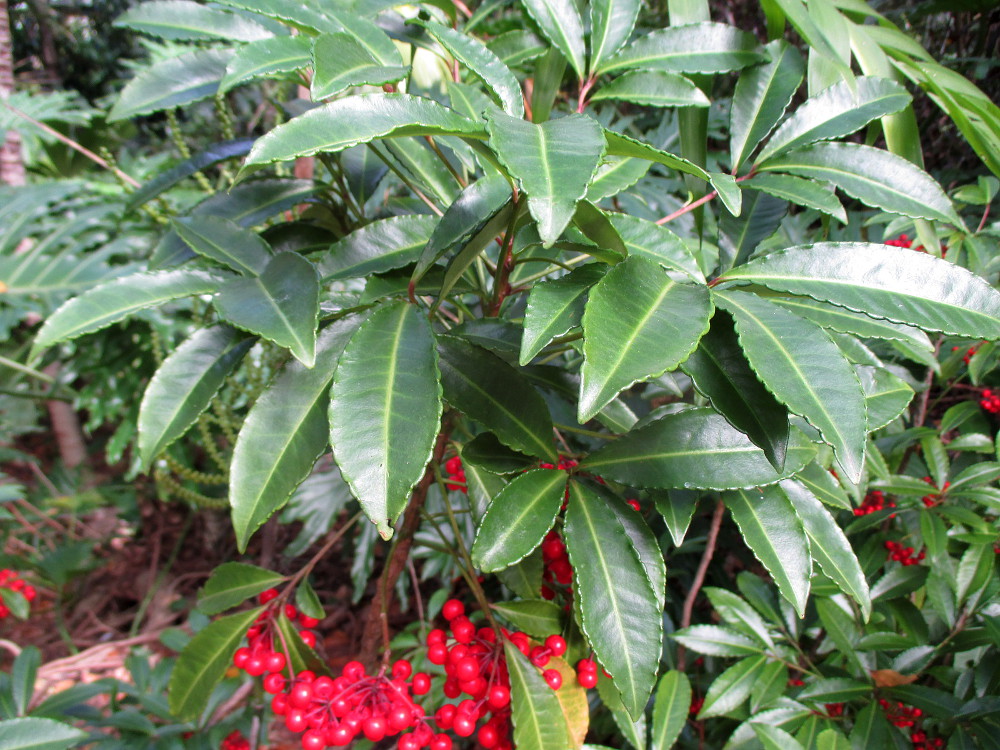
pixel 904 240
pixel 565 464
pixel 586 673
pixel 990 401
pixel 834 710
pixel 235 741
pixel 10 580
pixel 970 352
pixel 921 741
pixel 899 714
pixel 904 555
pixel 475 665
pixel 455 479
pixel 259 656
pixel 874 501
pixel 557 574
pixel 934 498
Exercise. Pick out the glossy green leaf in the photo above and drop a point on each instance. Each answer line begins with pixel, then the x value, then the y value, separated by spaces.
pixel 499 336
pixel 466 217
pixel 560 23
pixel 886 395
pixel 488 453
pixel 538 618
pixel 732 687
pixel 381 246
pixel 183 19
pixel 653 88
pixel 618 607
pixel 22 677
pixel 824 487
pixel 357 119
pixel 775 738
pixel 870 728
pixel 739 236
pixel 283 435
pixel 204 661
pixel 689 48
pixel 638 323
pixel 555 307
pixel 539 722
pixel 232 583
pixel 801 192
pixel 670 709
pixel 677 508
pixel 803 368
pixel 281 305
pixel 737 612
pixel 657 243
pixel 883 282
pixel 116 300
pixel 716 640
pixel 762 94
pixel 875 177
pixel 267 58
pixel 518 519
pixel 643 540
pixel 517 46
pixel 553 163
pixel 695 448
pixel 622 145
pixel 611 24
pixel 481 60
pixel 299 655
pixel 490 391
pixel 728 191
pixel 837 111
pixel 31 733
pixel 828 545
pixel 385 410
pixel 341 61
pixel 186 78
pixel 185 384
pixel 722 374
pixel 367 33
pixel 773 532
pixel 634 731
pixel 299 15
pixel 614 175
pixel 224 241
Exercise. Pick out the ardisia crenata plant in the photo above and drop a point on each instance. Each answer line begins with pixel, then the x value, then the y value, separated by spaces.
pixel 542 326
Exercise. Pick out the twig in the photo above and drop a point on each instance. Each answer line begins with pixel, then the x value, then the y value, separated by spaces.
pixel 689 207
pixel 699 576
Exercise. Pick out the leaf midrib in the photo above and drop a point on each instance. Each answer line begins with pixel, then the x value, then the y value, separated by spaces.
pixel 514 527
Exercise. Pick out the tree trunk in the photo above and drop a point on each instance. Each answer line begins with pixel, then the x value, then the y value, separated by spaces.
pixel 11 164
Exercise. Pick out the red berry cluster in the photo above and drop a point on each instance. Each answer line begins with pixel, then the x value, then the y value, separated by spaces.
pixel 990 401
pixel 455 479
pixel 834 710
pixel 874 501
pixel 475 665
pixel 970 352
pixel 921 741
pixel 259 657
pixel 586 673
pixel 557 574
pixel 564 463
pixel 934 498
pixel 902 240
pixel 10 580
pixel 899 714
pixel 904 555
pixel 235 741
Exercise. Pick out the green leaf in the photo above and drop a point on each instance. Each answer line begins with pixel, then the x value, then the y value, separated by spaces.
pixel 657 243
pixel 670 709
pixel 536 617
pixel 233 583
pixel 224 241
pixel 635 731
pixel 385 410
pixel 555 307
pixel 775 534
pixel 308 601
pixel 490 391
pixel 22 677
pixel 614 175
pixel 824 487
pixel 299 15
pixel 517 47
pixel 677 508
pixel 643 540
pixel 467 217
pixel 481 60
pixel 186 78
pixel 560 23
pixel 883 282
pixel 728 191
pixel 653 88
pixel 618 606
pixel 281 305
pixel 762 94
pixel 875 177
pixel 518 519
pixel 30 733
pixel 737 612
pixel 553 163
pixel 341 61
pixel 840 110
pixel 357 119
pixel 184 385
pixel 689 48
pixel 283 435
pixel 828 545
pixel 773 738
pixel 870 728
pixel 638 323
pixel 267 58
pixel 799 191
pixel 611 24
pixel 182 19
pixel 886 395
pixel 381 246
pixel 715 640
pixel 539 722
pixel 116 300
pixel 695 448
pixel 722 374
pixel 204 661
pixel 299 655
pixel 732 687
pixel 368 34
pixel 488 453
pixel 622 145
pixel 803 368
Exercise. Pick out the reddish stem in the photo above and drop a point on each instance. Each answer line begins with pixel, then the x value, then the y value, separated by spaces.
pixel 699 576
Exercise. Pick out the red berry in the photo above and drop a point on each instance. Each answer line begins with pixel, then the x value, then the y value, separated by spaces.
pixel 421 683
pixel 467 668
pixel 275 661
pixel 313 740
pixel 441 742
pixel 464 725
pixel 488 736
pixel 375 728
pixel 308 637
pixel 402 669
pixel 274 683
pixel 241 657
pixel 552 678
pixel 499 696
pixel 452 608
pixel 269 595
pixel 539 656
pixel 556 644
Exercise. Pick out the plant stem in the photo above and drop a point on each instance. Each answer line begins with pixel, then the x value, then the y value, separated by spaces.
pixel 688 208
pixel 699 576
